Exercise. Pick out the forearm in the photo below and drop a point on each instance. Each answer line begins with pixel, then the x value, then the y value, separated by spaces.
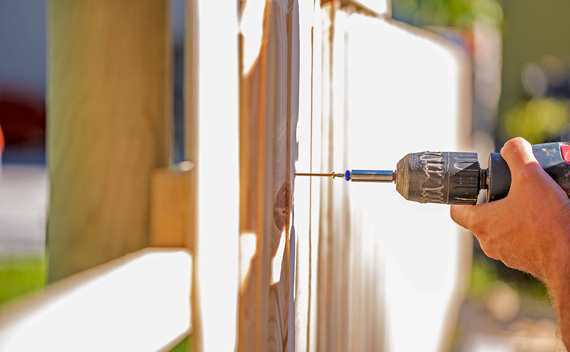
pixel 561 299
pixel 558 283
pixel 563 311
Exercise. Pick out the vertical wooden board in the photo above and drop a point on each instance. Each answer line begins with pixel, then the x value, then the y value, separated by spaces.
pixel 294 64
pixel 275 208
pixel 340 231
pixel 109 109
pixel 316 160
pixel 277 189
pixel 302 186
pixel 212 111
pixel 307 190
pixel 253 60
pixel 191 142
pixel 334 246
pixel 266 122
pixel 403 89
pixel 355 315
pixel 324 280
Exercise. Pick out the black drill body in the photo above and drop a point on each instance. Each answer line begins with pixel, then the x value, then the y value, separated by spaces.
pixel 457 178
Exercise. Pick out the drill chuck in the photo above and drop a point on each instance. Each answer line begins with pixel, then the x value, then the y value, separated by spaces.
pixel 439 177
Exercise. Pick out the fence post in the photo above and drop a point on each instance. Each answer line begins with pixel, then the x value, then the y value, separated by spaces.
pixel 109 106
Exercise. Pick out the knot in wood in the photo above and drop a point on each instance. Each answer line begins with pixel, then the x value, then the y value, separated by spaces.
pixel 281 207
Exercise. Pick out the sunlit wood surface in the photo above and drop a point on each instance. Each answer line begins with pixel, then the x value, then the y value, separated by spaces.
pixel 268 114
pixel 211 126
pixel 138 302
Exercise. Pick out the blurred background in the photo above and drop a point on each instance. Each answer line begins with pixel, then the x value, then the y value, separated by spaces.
pixel 520 55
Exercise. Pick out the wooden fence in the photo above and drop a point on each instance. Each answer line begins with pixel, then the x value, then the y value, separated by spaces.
pixel 271 87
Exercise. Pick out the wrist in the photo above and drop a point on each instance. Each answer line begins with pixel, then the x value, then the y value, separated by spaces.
pixel 557 280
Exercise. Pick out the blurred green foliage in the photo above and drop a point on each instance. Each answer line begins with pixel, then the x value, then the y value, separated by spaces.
pixel 535 70
pixel 537 120
pixel 184 345
pixel 454 13
pixel 485 272
pixel 21 275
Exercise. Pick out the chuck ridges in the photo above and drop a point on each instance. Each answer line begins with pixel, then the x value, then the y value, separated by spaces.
pixel 433 164
pixel 465 176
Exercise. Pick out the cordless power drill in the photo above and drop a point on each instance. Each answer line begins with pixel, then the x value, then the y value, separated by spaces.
pixel 456 178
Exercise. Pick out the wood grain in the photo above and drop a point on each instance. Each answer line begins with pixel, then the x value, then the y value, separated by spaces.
pixel 266 121
pixel 109 106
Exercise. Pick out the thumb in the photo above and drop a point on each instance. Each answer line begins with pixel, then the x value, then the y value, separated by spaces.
pixel 517 152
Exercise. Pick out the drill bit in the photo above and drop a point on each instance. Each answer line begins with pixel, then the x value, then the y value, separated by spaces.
pixel 332 174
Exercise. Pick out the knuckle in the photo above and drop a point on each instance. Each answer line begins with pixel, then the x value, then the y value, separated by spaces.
pixel 509 146
pixel 529 176
pixel 514 146
pixel 516 143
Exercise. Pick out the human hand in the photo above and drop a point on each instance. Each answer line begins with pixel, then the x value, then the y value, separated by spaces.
pixel 529 229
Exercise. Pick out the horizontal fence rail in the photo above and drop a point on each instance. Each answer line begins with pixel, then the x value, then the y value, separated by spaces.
pixel 139 302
